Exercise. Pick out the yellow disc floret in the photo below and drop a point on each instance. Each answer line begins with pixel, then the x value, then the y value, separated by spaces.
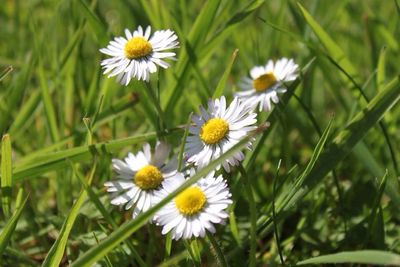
pixel 137 47
pixel 148 177
pixel 264 82
pixel 190 201
pixel 213 131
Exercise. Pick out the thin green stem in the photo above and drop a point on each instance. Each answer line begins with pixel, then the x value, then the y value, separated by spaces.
pixel 182 147
pixel 218 251
pixel 278 244
pixel 253 215
pixel 153 96
pixel 191 253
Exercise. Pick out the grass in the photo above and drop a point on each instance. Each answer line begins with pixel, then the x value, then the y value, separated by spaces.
pixel 320 185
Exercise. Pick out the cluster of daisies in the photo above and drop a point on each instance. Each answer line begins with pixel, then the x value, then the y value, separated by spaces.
pixel 145 178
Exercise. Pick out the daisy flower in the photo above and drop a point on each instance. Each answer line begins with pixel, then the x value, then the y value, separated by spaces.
pixel 266 82
pixel 137 55
pixel 195 209
pixel 217 130
pixel 140 176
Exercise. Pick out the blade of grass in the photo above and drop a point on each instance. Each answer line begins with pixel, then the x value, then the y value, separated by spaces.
pixel 333 49
pixel 19 256
pixel 195 39
pixel 222 82
pixel 56 252
pixel 342 145
pixel 253 215
pixel 56 160
pixel 360 257
pixel 183 142
pixel 128 228
pixel 107 216
pixel 5 72
pixel 48 105
pixel 227 29
pixel 9 228
pixel 17 91
pixel 6 174
pixel 219 254
pixel 25 113
pixel 95 23
pixel 380 70
pixel 381 123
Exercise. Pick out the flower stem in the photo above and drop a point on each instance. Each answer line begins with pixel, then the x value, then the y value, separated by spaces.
pixel 253 215
pixel 152 95
pixel 217 249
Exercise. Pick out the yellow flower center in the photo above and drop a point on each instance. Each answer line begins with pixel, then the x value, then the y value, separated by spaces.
pixel 137 47
pixel 213 131
pixel 190 201
pixel 148 177
pixel 265 81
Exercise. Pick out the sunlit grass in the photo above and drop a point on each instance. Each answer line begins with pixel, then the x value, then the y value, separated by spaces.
pixel 322 177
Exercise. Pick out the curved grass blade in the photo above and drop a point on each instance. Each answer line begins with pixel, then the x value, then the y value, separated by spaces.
pixel 253 215
pixel 95 23
pixel 381 123
pixel 107 216
pixel 229 27
pixel 56 160
pixel 6 174
pixel 361 257
pixel 333 49
pixel 380 70
pixel 5 72
pixel 195 39
pixel 218 251
pixel 9 228
pixel 128 228
pixel 48 105
pixel 56 252
pixel 341 146
pixel 222 82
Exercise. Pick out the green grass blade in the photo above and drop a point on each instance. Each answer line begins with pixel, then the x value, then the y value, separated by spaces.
pixel 48 106
pixel 380 70
pixel 195 40
pixel 56 252
pixel 354 132
pixel 183 142
pixel 292 197
pixel 6 174
pixel 5 72
pixel 253 215
pixel 332 48
pixel 360 257
pixel 56 160
pixel 19 256
pixel 107 216
pixel 343 145
pixel 25 113
pixel 9 228
pixel 227 29
pixel 218 250
pixel 128 228
pixel 222 82
pixel 95 23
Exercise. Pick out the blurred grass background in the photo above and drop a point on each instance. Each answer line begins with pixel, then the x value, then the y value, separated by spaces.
pixel 56 81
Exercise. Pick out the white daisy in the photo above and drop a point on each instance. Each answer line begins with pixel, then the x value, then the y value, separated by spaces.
pixel 266 82
pixel 139 176
pixel 137 55
pixel 194 210
pixel 216 131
